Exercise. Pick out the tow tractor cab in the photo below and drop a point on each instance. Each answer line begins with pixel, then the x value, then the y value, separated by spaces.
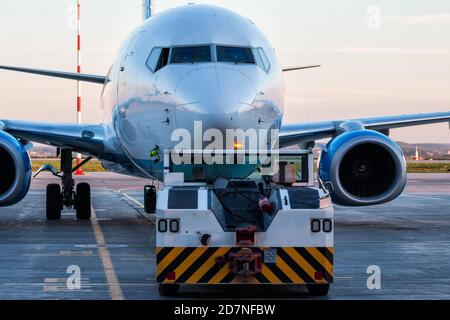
pixel 274 227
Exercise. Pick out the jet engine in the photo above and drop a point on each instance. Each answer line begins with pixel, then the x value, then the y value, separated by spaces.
pixel 15 170
pixel 363 167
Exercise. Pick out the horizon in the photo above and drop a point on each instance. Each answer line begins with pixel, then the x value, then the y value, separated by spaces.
pixel 382 59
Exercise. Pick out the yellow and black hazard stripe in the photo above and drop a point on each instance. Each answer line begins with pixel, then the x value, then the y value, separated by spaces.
pixel 295 265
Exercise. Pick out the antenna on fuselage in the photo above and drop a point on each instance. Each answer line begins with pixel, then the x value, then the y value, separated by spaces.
pixel 146 9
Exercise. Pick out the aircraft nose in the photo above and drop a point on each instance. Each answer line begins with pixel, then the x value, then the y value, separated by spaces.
pixel 222 98
pixel 214 93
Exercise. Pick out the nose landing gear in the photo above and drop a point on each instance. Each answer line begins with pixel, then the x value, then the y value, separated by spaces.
pixel 68 196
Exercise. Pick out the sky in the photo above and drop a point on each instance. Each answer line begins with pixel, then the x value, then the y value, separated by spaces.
pixel 378 57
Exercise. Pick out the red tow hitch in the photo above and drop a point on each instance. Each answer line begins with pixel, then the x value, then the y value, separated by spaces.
pixel 245 262
pixel 246 236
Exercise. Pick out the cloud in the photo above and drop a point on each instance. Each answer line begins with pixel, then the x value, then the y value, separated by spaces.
pixel 420 19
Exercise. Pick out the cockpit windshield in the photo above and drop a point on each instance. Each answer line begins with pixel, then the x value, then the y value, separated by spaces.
pixel 235 55
pixel 191 54
pixel 161 56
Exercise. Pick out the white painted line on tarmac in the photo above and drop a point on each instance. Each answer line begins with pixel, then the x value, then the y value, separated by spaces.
pixel 128 189
pixel 420 196
pixel 115 290
pixel 149 217
pixel 343 278
pixel 132 199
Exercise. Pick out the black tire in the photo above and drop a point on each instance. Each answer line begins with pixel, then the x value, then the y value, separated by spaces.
pixel 150 199
pixel 318 290
pixel 168 290
pixel 53 205
pixel 83 201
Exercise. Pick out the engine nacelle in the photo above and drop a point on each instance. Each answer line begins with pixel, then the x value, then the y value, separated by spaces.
pixel 364 167
pixel 15 170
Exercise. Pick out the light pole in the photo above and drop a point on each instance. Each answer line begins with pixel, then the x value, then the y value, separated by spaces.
pixel 79 171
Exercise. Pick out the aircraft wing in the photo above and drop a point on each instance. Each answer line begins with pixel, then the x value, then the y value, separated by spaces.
pixel 292 134
pixel 59 74
pixel 88 139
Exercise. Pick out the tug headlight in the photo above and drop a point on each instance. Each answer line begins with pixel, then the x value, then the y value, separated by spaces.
pixel 162 225
pixel 315 225
pixel 174 225
pixel 327 225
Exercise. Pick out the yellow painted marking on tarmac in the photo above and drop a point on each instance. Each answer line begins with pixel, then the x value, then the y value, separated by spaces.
pixel 220 275
pixel 270 275
pixel 206 266
pixel 168 259
pixel 50 289
pixel 115 290
pixel 189 261
pixel 284 267
pixel 301 261
pixel 321 259
pixel 51 284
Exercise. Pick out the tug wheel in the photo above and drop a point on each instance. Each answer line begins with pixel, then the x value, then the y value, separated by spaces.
pixel 168 290
pixel 318 290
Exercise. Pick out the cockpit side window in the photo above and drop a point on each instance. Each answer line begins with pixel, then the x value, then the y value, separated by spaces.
pixel 153 59
pixel 191 54
pixel 265 61
pixel 158 58
pixel 235 55
pixel 163 59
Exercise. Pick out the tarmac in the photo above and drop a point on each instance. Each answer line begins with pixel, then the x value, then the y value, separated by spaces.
pixel 408 240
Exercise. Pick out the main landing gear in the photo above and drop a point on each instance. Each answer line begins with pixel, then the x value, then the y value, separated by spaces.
pixel 67 195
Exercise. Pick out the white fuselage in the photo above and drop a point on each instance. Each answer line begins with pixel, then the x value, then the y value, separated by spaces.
pixel 146 106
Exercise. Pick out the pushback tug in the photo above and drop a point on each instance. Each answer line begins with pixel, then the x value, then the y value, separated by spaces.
pixel 271 228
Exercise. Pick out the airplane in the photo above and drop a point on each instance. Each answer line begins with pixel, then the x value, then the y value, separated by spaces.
pixel 191 64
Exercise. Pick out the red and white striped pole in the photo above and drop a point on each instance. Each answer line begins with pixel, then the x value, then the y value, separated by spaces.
pixel 79 171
